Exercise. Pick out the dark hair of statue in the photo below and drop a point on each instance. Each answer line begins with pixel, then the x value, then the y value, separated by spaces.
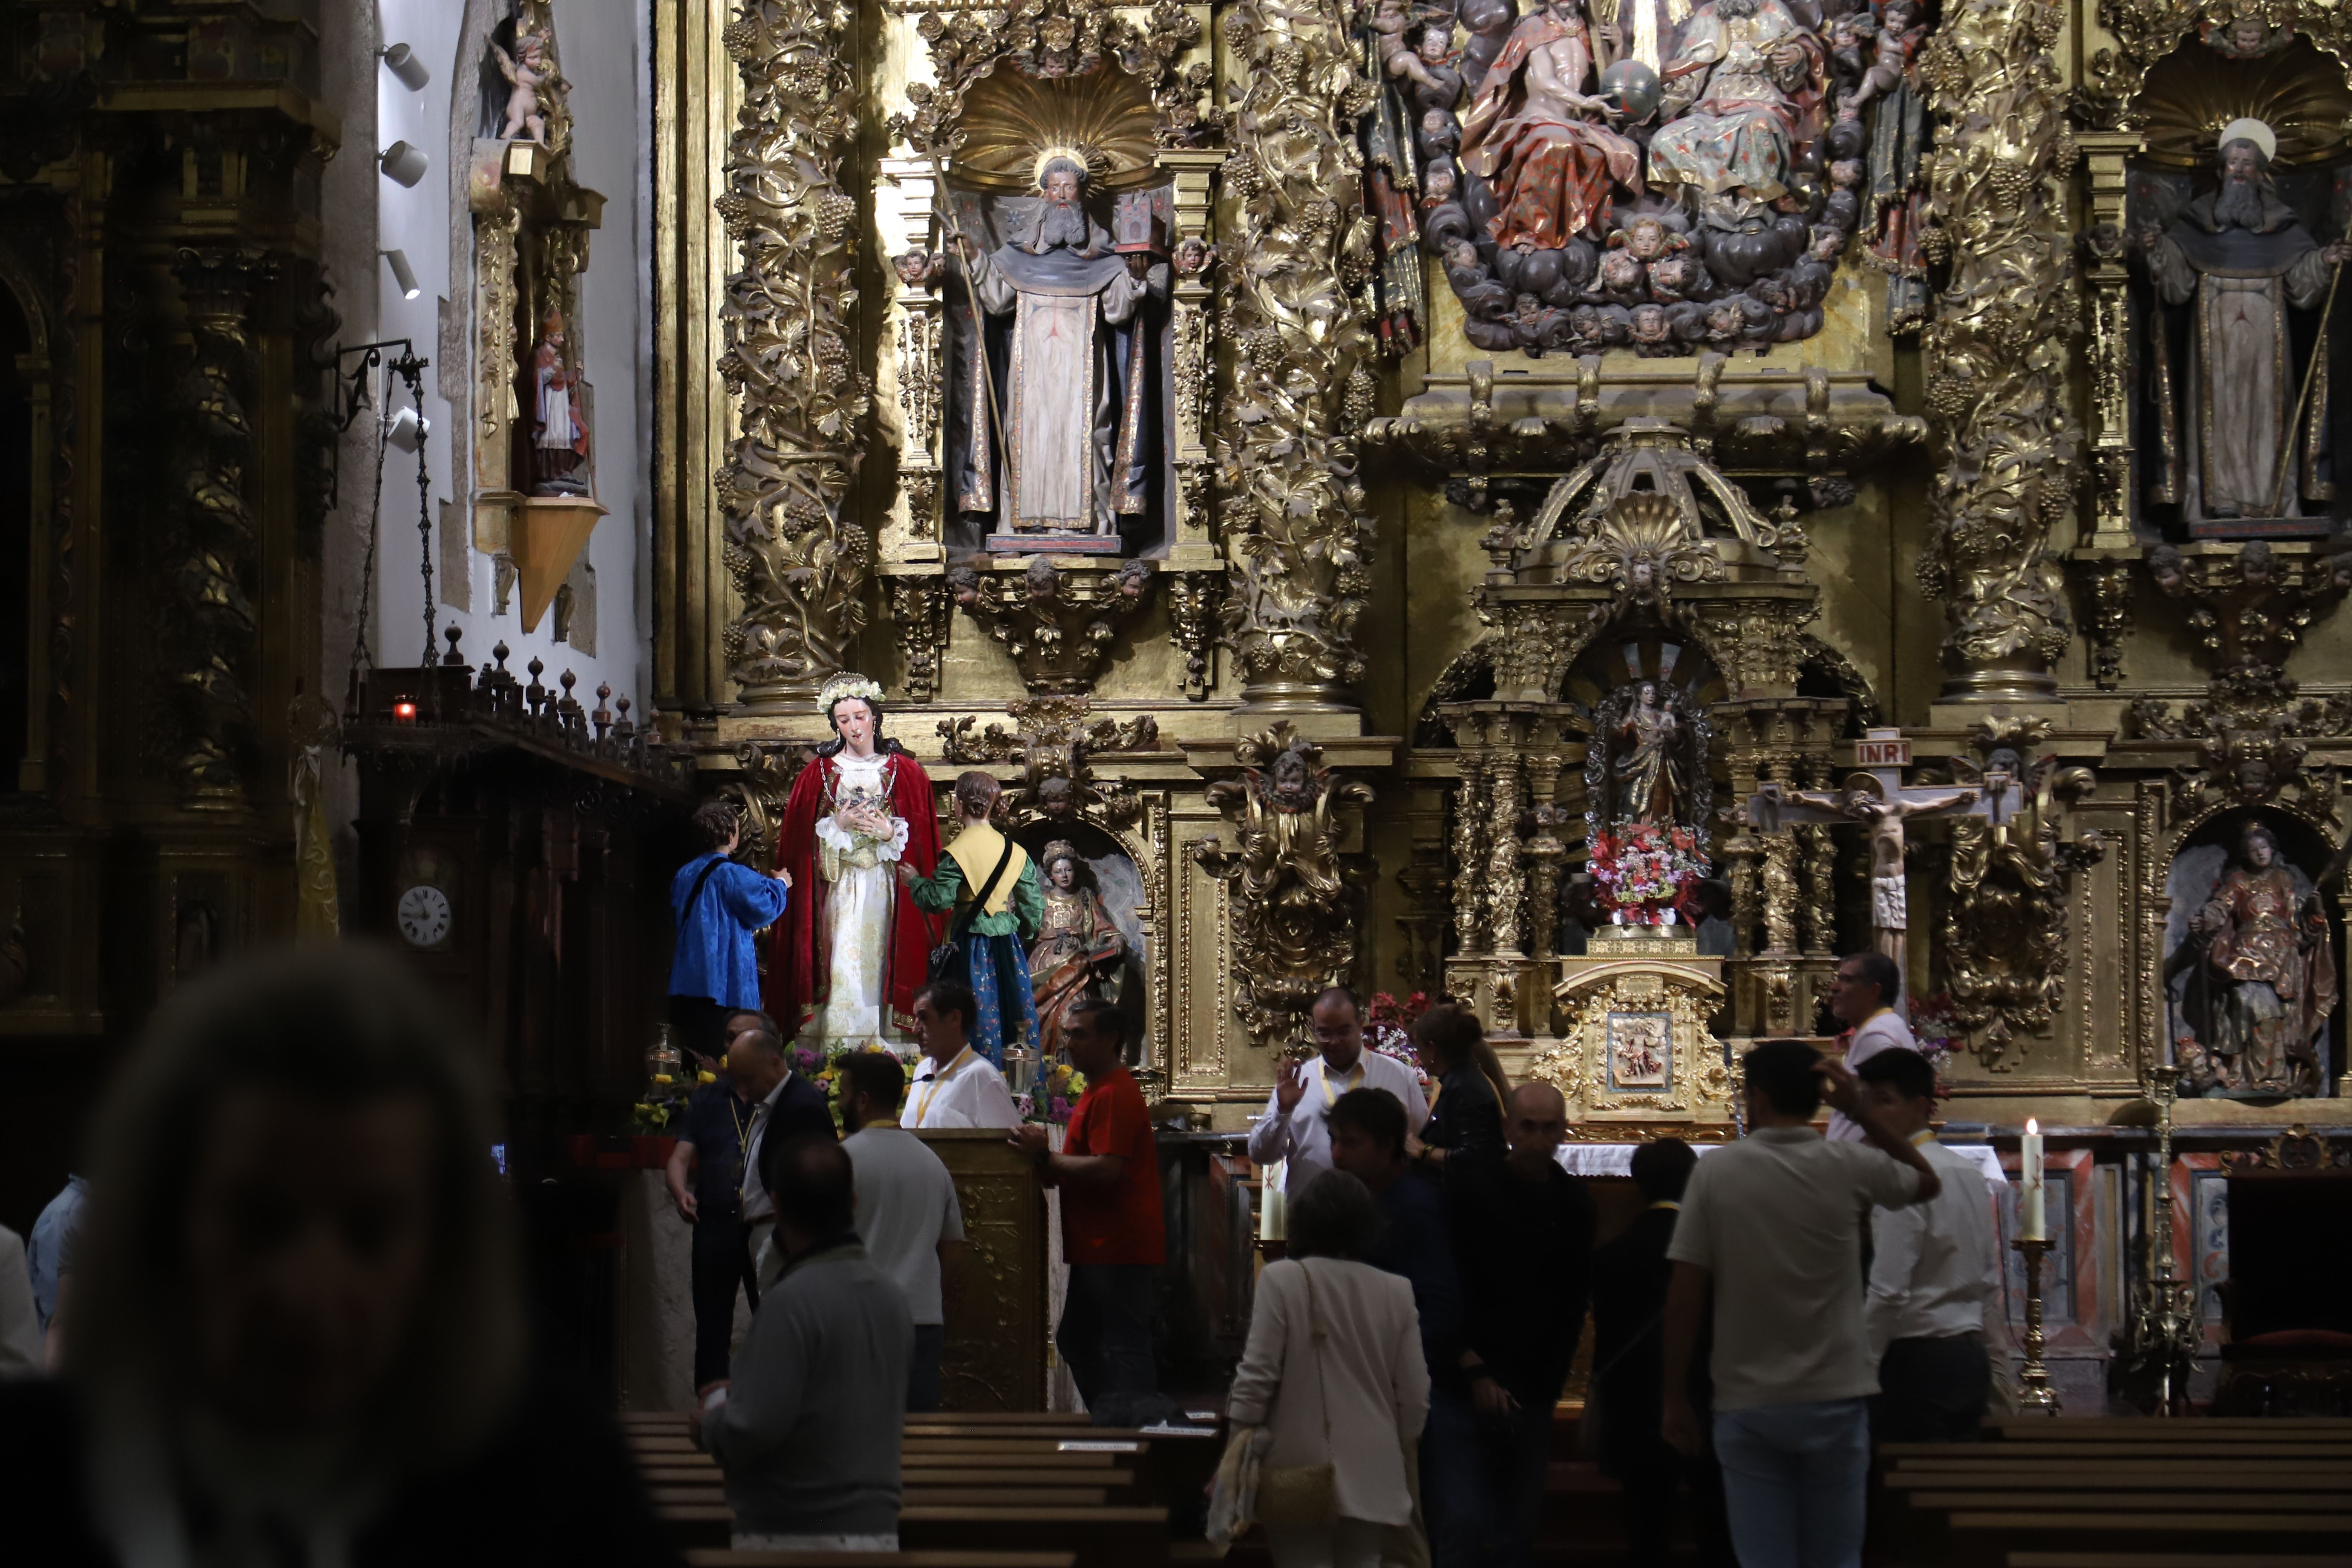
pixel 873 705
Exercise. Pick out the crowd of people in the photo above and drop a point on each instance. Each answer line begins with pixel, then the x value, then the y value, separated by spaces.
pixel 291 1317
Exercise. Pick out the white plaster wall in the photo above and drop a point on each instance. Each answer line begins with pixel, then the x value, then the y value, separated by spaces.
pixel 604 48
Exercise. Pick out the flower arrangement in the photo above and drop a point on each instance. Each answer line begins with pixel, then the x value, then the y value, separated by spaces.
pixel 667 1086
pixel 1642 872
pixel 1388 1029
pixel 826 1070
pixel 1054 1097
pixel 1936 1028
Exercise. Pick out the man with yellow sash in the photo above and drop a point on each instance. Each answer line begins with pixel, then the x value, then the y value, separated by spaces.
pixel 991 884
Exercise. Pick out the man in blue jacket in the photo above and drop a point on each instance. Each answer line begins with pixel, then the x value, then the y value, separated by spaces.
pixel 720 905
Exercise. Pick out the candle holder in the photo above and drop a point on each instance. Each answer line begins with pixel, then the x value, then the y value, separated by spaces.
pixel 2034 1392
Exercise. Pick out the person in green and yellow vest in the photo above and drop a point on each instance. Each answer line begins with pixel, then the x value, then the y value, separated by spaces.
pixel 995 935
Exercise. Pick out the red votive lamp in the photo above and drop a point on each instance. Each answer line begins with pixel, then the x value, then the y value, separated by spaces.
pixel 403 713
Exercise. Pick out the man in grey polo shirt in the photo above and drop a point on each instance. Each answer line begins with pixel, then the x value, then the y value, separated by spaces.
pixel 1773 1225
pixel 906 1210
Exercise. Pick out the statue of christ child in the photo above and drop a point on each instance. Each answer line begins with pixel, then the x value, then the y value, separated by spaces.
pixel 853 951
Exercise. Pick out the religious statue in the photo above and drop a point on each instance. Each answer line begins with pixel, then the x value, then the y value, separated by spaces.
pixel 530 71
pixel 1741 64
pixel 1647 771
pixel 1890 896
pixel 2241 260
pixel 1539 140
pixel 559 435
pixel 1074 427
pixel 2260 979
pixel 1078 943
pixel 852 949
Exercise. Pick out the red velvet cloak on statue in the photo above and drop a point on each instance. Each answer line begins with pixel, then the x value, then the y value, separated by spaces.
pixel 798 979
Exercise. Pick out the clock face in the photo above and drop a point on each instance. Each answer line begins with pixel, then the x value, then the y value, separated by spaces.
pixel 424 915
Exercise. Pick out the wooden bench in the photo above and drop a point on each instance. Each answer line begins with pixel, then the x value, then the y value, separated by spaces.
pixel 721 1558
pixel 2182 1502
pixel 2170 1560
pixel 1989 1537
pixel 1108 1537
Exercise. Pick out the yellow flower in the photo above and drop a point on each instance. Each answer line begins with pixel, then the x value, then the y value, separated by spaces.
pixel 661 1077
pixel 706 1078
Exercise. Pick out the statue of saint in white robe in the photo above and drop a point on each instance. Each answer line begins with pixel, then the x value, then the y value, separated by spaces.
pixel 1076 402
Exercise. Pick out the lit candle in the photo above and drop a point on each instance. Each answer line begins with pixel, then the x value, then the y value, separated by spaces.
pixel 2036 1223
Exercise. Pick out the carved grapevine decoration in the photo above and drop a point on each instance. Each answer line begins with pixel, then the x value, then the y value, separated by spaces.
pixel 2007 440
pixel 799 563
pixel 1291 501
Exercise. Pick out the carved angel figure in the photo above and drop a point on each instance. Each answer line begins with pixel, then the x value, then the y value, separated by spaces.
pixel 530 70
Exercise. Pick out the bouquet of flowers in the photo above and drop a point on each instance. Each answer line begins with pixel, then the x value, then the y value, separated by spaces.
pixel 827 1074
pixel 1643 871
pixel 1935 1027
pixel 1051 1100
pixel 1389 1029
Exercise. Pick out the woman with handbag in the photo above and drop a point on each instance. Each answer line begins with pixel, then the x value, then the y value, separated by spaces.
pixel 1333 1366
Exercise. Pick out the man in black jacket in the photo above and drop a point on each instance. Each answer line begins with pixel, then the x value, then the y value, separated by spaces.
pixel 1523 1233
pixel 1629 1301
pixel 784 1105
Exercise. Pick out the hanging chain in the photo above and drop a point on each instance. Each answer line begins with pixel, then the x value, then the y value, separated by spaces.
pixel 412 371
pixel 367 566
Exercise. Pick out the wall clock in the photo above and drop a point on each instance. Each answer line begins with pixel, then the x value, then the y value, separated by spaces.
pixel 424 915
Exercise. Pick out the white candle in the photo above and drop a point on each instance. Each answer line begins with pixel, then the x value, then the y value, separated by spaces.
pixel 2035 1225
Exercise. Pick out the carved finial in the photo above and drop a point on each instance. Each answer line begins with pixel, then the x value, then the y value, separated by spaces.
pixel 453 657
pixel 500 652
pixel 568 680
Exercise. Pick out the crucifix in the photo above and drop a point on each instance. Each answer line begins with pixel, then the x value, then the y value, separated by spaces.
pixel 1876 796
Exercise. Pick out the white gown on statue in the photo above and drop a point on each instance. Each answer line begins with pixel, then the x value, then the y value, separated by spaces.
pixel 859 895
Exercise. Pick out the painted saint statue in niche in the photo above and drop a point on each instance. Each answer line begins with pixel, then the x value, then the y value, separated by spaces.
pixel 1078 946
pixel 558 440
pixel 1066 408
pixel 2254 978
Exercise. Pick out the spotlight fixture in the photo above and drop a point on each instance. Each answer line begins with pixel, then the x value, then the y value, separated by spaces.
pixel 409 430
pixel 403 274
pixel 404 64
pixel 404 164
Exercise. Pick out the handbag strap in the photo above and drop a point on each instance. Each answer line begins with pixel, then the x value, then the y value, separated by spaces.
pixel 1626 1349
pixel 1315 1354
pixel 696 891
pixel 980 899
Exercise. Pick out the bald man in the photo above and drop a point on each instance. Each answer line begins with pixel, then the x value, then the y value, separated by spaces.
pixel 1523 1240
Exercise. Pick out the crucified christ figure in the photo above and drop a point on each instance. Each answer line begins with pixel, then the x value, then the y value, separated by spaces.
pixel 1890 912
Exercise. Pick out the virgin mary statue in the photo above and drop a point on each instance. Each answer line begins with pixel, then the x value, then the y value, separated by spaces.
pixel 852 950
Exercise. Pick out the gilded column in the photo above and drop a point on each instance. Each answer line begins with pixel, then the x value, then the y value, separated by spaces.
pixel 799 560
pixel 212 536
pixel 1296 530
pixel 2007 442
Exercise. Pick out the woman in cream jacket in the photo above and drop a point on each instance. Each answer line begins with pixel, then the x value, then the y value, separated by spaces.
pixel 1334 1365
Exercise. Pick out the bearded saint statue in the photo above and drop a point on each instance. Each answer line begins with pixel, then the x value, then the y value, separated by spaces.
pixel 2241 259
pixel 1076 407
pixel 1537 139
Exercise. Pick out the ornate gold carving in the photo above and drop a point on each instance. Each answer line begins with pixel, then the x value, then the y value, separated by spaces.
pixel 919 615
pixel 212 538
pixel 1296 911
pixel 1421 966
pixel 1192 598
pixel 2005 436
pixel 1779 892
pixel 1059 622
pixel 761 788
pixel 1616 1014
pixel 1820 851
pixel 1294 513
pixel 2252 733
pixel 2005 925
pixel 2110 583
pixel 798 560
pixel 2248 604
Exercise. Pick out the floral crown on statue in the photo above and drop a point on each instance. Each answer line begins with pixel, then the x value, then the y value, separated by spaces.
pixel 845 686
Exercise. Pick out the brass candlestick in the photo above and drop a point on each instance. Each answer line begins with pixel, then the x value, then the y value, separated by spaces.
pixel 2034 1392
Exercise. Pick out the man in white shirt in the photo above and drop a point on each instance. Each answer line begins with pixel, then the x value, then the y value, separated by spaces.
pixel 1772 1225
pixel 955 1086
pixel 907 1216
pixel 1292 1128
pixel 1862 997
pixel 1935 1271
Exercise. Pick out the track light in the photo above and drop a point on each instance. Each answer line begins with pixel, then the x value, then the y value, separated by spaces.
pixel 404 64
pixel 403 274
pixel 404 164
pixel 409 430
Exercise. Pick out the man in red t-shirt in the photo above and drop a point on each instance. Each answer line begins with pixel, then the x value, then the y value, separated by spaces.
pixel 1113 1232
